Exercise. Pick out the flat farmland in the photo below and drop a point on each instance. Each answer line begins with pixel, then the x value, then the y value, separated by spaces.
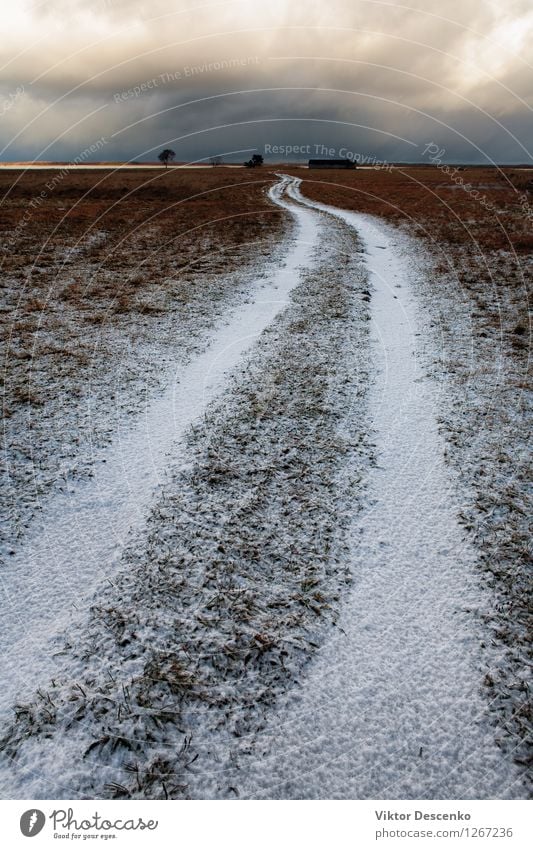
pixel 93 265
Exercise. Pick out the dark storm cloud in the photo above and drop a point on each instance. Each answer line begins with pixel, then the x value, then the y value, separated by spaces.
pixel 377 77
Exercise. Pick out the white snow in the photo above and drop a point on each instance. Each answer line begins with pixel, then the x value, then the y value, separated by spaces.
pixel 82 533
pixel 392 707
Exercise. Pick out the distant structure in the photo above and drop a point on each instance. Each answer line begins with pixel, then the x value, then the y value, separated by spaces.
pixel 332 163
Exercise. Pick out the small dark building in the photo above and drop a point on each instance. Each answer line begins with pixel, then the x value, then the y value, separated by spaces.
pixel 331 163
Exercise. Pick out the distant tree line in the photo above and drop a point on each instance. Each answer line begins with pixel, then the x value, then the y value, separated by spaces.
pixel 168 155
pixel 256 160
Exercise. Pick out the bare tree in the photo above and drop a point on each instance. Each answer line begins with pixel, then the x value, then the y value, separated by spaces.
pixel 215 160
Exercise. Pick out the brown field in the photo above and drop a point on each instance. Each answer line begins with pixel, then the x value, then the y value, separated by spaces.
pixel 103 244
pixel 95 246
pixel 43 216
pixel 101 264
pixel 86 248
pixel 481 258
pixel 436 206
pixel 98 269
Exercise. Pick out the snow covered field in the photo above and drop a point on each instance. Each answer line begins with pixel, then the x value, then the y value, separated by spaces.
pixel 392 707
pixel 265 589
pixel 82 531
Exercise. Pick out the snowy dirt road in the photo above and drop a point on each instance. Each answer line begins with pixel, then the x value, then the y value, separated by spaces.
pixel 208 662
pixel 80 536
pixel 392 706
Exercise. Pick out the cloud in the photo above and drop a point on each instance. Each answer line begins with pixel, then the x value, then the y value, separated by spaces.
pixel 457 74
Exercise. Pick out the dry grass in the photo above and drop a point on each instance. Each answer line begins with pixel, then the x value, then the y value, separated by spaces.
pixel 485 241
pixel 431 201
pixel 479 270
pixel 242 568
pixel 124 249
pixel 99 262
pixel 97 236
pixel 107 243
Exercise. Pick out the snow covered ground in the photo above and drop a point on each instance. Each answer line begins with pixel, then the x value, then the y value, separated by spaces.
pixel 291 477
pixel 82 532
pixel 392 706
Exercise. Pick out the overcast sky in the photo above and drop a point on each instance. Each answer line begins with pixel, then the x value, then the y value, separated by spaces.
pixel 374 79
